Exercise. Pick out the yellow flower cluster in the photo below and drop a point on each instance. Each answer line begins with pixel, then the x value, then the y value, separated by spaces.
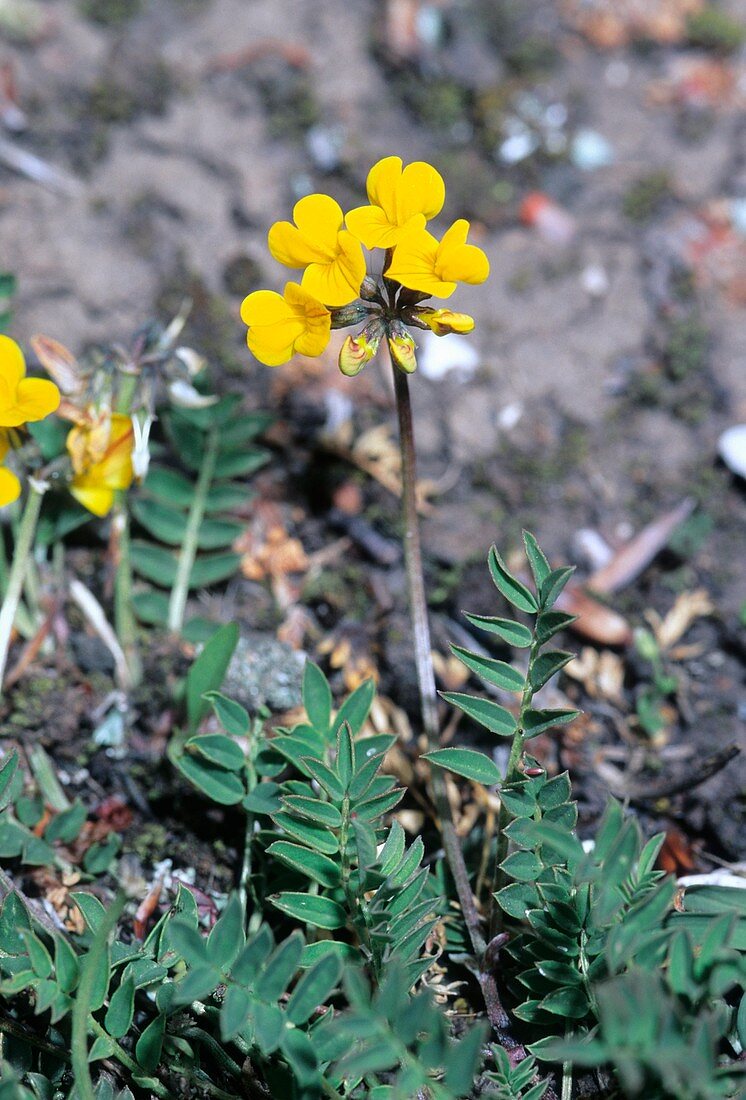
pixel 327 246
pixel 22 399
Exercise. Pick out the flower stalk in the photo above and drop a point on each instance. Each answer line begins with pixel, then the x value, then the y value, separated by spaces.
pixel 124 616
pixel 423 656
pixel 188 552
pixel 21 556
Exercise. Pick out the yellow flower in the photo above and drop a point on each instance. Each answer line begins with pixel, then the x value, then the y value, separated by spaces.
pixel 282 324
pixel 420 262
pixel 22 398
pixel 444 321
pixel 10 486
pixel 101 455
pixel 402 199
pixel 332 257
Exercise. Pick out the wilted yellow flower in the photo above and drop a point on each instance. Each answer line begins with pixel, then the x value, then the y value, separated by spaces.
pixel 423 263
pixel 282 324
pixel 402 199
pixel 101 454
pixel 10 486
pixel 333 259
pixel 22 398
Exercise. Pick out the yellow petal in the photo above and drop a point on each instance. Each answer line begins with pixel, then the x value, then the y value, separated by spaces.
pixel 319 218
pixel 289 247
pixel 458 261
pixel 420 191
pixel 12 363
pixel 311 343
pixel 444 321
pixel 414 265
pixel 98 501
pixel 381 184
pixel 337 283
pixel 10 487
pixel 371 226
pixel 264 307
pixel 35 399
pixel 272 355
pixel 115 469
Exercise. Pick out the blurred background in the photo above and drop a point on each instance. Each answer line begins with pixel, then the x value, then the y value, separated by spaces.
pixel 598 148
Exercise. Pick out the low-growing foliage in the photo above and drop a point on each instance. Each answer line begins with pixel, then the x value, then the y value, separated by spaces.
pixel 317 972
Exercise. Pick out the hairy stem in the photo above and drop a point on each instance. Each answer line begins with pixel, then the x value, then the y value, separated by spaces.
pixel 423 658
pixel 21 555
pixel 188 552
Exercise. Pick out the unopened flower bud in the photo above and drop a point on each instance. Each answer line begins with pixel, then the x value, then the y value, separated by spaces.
pixel 402 348
pixel 444 321
pixel 345 316
pixel 359 350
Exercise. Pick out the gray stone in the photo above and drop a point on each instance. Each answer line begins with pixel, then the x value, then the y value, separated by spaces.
pixel 265 672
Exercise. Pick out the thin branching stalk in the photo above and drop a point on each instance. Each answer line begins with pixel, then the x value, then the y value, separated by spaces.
pixel 188 553
pixel 21 555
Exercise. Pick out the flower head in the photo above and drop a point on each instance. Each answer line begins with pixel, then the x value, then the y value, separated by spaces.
pixel 282 324
pixel 101 454
pixel 335 291
pixel 22 398
pixel 423 263
pixel 402 199
pixel 333 259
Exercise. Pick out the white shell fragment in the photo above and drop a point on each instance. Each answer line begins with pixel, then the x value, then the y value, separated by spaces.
pixel 732 449
pixel 439 355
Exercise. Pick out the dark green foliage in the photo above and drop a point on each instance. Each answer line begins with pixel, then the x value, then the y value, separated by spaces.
pixel 387 1035
pixel 514 1082
pixel 543 663
pixel 193 517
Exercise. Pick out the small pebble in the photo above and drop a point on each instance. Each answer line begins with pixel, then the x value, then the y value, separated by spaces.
pixel 732 449
pixel 590 150
pixel 595 281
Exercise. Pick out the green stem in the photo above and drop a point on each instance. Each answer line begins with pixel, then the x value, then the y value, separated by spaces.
pixel 125 623
pixel 423 658
pixel 188 553
pixel 21 555
pixel 81 1013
